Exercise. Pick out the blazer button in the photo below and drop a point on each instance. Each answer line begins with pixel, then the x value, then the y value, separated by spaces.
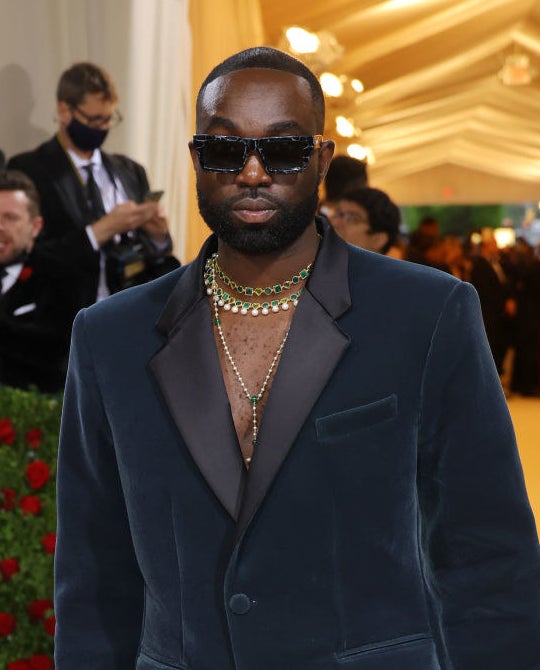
pixel 240 603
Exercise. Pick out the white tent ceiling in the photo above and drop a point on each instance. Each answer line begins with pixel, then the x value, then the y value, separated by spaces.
pixel 435 113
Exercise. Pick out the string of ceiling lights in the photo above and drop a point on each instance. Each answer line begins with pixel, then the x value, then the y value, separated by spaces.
pixel 319 51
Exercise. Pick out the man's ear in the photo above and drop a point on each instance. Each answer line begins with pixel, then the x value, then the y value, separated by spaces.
pixel 37 225
pixel 379 239
pixel 325 156
pixel 63 112
pixel 194 156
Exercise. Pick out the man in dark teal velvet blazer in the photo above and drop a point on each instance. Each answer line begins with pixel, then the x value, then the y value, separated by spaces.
pixel 329 481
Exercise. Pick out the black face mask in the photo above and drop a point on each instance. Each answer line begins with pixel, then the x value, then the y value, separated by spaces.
pixel 84 137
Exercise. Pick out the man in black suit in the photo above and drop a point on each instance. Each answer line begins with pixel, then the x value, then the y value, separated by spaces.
pixel 94 212
pixel 36 304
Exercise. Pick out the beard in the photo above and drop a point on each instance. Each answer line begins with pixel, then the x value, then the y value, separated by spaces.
pixel 286 226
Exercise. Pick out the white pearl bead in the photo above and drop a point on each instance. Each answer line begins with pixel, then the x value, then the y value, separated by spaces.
pixel 208 291
pixel 285 306
pixel 264 310
pixel 234 309
pixel 254 312
pixel 243 311
pixel 227 306
pixel 275 308
pixel 295 303
pixel 220 303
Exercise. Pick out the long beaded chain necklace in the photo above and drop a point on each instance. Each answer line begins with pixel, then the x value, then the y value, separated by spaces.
pixel 273 303
pixel 253 399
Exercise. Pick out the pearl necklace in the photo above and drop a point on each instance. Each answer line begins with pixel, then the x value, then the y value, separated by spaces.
pixel 253 399
pixel 236 306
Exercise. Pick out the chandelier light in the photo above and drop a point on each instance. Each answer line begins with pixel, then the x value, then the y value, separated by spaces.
pixel 301 41
pixel 345 127
pixel 317 50
pixel 361 153
pixel 517 70
pixel 331 84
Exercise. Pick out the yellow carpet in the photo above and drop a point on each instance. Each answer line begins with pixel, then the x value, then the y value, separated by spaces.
pixel 526 417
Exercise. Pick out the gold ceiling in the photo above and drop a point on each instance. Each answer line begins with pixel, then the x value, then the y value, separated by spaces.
pixel 434 103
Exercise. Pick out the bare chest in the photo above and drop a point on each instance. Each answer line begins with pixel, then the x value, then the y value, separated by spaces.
pixel 249 350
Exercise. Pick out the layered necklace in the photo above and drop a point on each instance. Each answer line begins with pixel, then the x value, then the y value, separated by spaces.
pixel 221 298
pixel 270 298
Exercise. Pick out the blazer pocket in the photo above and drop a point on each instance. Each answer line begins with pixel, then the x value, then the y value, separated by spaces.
pixel 145 662
pixel 24 309
pixel 351 421
pixel 410 652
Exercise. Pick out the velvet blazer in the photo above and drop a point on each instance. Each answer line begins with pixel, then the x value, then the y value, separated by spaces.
pixel 383 523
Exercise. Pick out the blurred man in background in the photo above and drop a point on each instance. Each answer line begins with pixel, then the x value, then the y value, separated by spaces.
pixel 367 218
pixel 94 211
pixel 36 300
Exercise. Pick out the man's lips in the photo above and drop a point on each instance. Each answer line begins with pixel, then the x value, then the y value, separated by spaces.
pixel 251 210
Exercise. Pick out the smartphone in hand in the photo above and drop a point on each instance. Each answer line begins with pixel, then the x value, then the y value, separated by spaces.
pixel 153 196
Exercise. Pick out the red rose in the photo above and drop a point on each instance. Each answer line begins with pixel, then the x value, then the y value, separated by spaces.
pixel 7 432
pixel 38 608
pixel 7 624
pixel 40 662
pixel 33 438
pixel 9 567
pixel 49 543
pixel 9 496
pixel 21 664
pixel 30 505
pixel 25 274
pixel 37 474
pixel 50 624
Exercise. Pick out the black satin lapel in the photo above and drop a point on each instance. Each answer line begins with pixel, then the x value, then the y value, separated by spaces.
pixel 188 372
pixel 313 349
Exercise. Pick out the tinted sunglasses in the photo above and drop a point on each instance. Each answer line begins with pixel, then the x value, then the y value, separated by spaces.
pixel 279 155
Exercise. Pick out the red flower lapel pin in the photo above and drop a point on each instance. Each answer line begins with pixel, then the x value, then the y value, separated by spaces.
pixel 26 273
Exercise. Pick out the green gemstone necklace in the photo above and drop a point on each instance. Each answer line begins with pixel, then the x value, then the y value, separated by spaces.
pixel 253 399
pixel 273 303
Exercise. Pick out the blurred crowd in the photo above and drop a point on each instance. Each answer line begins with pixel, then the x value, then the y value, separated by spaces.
pixel 508 283
pixel 507 279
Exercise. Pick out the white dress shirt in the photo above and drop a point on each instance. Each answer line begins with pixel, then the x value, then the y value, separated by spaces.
pixel 11 276
pixel 112 194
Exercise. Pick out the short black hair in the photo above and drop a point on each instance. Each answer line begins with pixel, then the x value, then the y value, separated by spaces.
pixel 270 59
pixel 13 180
pixel 383 213
pixel 344 174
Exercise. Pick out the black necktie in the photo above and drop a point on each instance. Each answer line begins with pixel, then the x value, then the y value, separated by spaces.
pixel 93 195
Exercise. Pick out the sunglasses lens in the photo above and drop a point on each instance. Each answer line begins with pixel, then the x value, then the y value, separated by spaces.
pixel 223 153
pixel 285 154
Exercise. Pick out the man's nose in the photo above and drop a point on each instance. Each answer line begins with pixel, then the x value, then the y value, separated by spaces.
pixel 253 172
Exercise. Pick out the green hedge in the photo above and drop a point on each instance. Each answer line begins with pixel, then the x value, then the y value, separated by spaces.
pixel 29 424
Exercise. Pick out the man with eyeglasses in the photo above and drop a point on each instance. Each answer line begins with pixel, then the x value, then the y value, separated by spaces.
pixel 367 218
pixel 290 454
pixel 94 213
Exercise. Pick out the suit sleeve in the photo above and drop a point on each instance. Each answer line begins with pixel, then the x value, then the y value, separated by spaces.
pixel 478 530
pixel 98 585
